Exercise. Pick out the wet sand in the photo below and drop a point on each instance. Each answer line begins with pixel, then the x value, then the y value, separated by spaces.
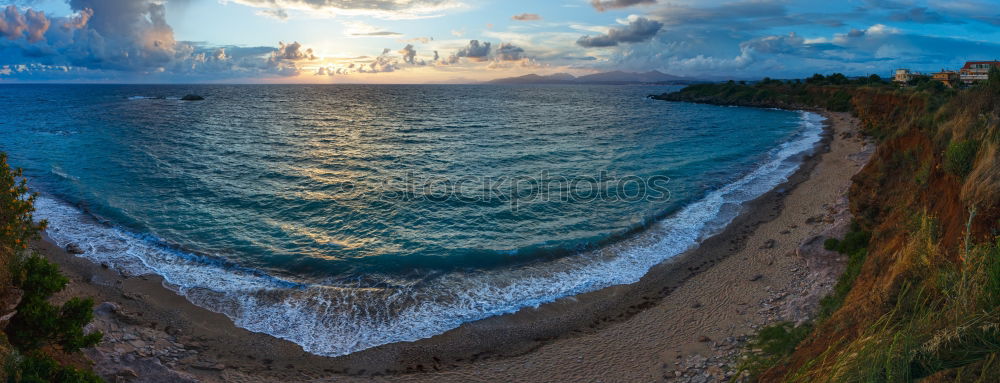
pixel 624 333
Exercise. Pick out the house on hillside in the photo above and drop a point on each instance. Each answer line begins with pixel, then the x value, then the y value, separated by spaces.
pixel 949 78
pixel 903 75
pixel 975 71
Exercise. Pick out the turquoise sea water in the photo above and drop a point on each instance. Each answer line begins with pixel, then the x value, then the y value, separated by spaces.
pixel 345 217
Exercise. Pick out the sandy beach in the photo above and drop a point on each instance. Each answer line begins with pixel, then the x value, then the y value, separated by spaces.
pixel 686 317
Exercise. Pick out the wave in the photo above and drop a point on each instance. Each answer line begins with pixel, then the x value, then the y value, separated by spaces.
pixel 337 319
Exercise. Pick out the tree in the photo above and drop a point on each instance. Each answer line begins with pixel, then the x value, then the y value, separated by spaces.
pixel 993 81
pixel 37 322
pixel 837 79
pixel 816 79
pixel 17 226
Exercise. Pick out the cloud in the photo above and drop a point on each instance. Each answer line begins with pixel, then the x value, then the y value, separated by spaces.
pixel 78 20
pixel 737 15
pixel 422 40
pixel 509 52
pixel 292 52
pixel 389 9
pixel 277 14
pixel 409 54
pixel 790 43
pixel 707 53
pixel 30 24
pixel 526 17
pixel 982 11
pixel 126 38
pixel 604 5
pixel 638 30
pixel 475 51
pixel 382 63
pixel 378 34
pixel 361 29
pixel 509 55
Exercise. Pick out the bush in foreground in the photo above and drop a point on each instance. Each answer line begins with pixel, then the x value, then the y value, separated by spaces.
pixel 39 323
pixel 39 329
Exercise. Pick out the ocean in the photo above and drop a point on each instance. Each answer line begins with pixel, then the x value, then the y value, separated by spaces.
pixel 343 217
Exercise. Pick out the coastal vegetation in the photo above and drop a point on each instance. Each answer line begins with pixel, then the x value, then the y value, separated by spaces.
pixel 921 295
pixel 41 340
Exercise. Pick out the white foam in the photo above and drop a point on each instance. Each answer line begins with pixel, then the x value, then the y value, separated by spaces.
pixel 337 320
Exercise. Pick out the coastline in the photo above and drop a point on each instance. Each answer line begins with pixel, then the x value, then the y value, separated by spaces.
pixel 590 335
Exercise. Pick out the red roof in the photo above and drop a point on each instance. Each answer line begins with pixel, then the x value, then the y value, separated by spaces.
pixel 969 64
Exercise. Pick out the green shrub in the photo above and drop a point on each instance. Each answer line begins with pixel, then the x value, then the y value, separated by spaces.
pixel 771 345
pixel 36 367
pixel 38 278
pixel 839 102
pixel 832 302
pixel 831 244
pixel 38 322
pixel 855 240
pixel 855 245
pixel 960 156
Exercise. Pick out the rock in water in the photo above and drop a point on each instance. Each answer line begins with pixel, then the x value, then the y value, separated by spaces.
pixel 192 97
pixel 74 249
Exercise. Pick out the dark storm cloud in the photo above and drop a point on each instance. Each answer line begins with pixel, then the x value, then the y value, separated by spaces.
pixel 603 5
pixel 638 30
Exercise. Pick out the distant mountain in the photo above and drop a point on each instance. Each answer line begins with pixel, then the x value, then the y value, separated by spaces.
pixel 616 77
pixel 558 78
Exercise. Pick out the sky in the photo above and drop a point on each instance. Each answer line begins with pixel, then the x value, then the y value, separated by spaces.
pixel 458 41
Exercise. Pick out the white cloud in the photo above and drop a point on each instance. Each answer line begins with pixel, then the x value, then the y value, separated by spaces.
pixel 385 9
